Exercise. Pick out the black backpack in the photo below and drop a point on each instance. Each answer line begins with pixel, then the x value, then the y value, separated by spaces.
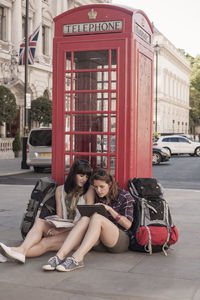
pixel 152 227
pixel 41 204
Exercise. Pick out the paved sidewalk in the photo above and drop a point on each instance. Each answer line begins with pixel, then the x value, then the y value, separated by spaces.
pixel 11 167
pixel 127 276
pixel 130 276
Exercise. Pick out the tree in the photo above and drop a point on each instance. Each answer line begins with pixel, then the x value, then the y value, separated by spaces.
pixel 8 106
pixel 41 110
pixel 17 144
pixel 194 92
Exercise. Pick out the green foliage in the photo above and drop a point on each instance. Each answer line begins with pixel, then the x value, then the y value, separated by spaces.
pixel 8 106
pixel 194 92
pixel 17 144
pixel 41 110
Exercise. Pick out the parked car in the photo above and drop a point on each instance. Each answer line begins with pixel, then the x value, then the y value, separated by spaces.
pixel 178 145
pixel 160 155
pixel 39 148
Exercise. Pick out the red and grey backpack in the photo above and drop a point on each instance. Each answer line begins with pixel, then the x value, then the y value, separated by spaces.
pixel 152 228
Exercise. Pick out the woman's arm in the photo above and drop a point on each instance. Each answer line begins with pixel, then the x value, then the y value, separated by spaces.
pixel 122 220
pixel 89 196
pixel 58 201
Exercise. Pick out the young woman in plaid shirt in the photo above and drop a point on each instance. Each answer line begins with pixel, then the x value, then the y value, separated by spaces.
pixel 110 234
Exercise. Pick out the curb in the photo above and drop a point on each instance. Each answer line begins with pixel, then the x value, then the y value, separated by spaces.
pixel 14 172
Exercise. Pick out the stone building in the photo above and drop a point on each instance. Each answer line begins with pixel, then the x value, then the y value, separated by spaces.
pixel 173 68
pixel 172 92
pixel 12 32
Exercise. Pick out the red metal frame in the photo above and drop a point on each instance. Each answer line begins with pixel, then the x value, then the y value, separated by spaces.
pixel 133 107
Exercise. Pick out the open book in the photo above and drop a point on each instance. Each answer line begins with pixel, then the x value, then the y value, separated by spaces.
pixel 59 222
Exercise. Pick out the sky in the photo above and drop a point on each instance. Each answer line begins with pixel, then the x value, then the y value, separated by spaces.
pixel 178 20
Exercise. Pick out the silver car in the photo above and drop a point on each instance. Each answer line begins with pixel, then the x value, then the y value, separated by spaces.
pixel 39 150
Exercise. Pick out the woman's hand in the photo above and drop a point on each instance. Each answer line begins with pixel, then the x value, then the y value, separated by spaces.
pixel 107 207
pixel 55 231
pixel 52 232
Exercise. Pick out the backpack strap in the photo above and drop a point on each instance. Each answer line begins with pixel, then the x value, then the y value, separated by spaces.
pixel 168 227
pixel 148 246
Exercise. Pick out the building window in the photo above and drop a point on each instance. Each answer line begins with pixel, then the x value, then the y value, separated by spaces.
pixel 23 27
pixel 2 24
pixel 45 40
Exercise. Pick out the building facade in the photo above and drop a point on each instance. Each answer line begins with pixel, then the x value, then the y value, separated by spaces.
pixel 171 87
pixel 12 32
pixel 173 71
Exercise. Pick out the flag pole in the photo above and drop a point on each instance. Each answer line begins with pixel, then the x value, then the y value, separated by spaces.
pixel 24 156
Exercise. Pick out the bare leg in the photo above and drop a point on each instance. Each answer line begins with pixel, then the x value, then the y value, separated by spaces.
pixel 47 244
pixel 74 238
pixel 100 228
pixel 34 236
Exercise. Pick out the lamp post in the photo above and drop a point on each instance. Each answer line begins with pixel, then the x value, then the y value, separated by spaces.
pixel 24 156
pixel 156 49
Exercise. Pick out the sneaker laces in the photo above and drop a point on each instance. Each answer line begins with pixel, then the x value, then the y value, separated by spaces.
pixel 69 261
pixel 54 261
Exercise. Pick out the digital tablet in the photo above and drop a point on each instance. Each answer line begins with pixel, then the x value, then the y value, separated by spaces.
pixel 89 210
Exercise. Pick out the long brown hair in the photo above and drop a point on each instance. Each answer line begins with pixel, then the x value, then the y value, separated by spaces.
pixel 78 167
pixel 105 175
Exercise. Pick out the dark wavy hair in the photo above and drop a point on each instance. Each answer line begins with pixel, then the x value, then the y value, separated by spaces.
pixel 78 167
pixel 105 175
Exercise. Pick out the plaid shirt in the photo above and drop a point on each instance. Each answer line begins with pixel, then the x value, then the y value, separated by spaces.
pixel 124 205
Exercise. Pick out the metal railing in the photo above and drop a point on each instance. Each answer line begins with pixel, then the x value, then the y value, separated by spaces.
pixel 6 149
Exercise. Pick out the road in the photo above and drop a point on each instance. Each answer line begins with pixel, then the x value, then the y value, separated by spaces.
pixel 181 172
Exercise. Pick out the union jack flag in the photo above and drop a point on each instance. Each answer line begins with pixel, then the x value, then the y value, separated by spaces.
pixel 32 42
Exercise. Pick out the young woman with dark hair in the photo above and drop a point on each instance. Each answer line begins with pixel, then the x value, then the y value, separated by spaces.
pixel 43 236
pixel 110 234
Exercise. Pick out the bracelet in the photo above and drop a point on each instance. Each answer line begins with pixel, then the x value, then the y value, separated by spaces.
pixel 118 217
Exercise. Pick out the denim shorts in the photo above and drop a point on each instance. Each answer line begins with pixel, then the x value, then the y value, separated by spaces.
pixel 122 244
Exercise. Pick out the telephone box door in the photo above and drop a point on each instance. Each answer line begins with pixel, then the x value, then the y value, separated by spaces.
pixel 89 85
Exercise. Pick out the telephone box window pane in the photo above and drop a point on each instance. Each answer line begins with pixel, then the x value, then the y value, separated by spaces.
pixel 90 59
pixel 113 80
pixel 112 165
pixel 67 123
pixel 102 162
pixel 67 163
pixel 90 81
pixel 102 80
pixel 102 101
pixel 68 61
pixel 90 101
pixel 90 143
pixel 113 59
pixel 94 161
pixel 102 143
pixel 67 102
pixel 90 122
pixel 67 82
pixel 113 101
pixel 112 144
pixel 84 157
pixel 67 142
pixel 113 123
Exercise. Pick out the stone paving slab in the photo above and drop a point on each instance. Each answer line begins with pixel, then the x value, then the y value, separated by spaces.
pixel 130 276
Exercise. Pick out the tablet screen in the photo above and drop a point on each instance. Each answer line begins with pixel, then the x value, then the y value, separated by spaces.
pixel 89 210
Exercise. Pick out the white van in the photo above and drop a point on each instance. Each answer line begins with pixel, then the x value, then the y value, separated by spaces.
pixel 39 150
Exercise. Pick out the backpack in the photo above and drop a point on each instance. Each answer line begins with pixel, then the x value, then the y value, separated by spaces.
pixel 152 228
pixel 41 204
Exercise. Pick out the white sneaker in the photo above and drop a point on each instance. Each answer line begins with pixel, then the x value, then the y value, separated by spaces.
pixel 3 258
pixel 8 252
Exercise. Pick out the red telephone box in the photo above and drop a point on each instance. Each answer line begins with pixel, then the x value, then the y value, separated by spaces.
pixel 102 91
